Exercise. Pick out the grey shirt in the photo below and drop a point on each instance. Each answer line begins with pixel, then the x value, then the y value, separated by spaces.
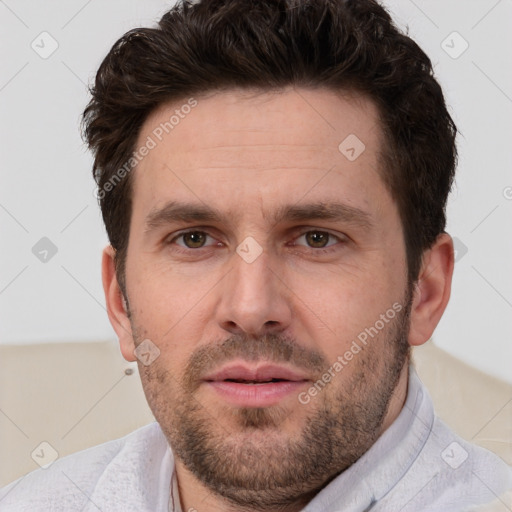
pixel 417 465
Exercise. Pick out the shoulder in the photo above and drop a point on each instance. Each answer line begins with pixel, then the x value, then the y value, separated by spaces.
pixel 453 474
pixel 68 482
pixel 458 453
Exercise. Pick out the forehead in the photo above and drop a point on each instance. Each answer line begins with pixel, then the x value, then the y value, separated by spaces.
pixel 245 147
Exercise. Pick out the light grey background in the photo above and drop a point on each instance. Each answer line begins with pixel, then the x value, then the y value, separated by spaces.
pixel 47 188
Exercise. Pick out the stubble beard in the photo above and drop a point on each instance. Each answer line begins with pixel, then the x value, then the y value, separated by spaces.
pixel 244 458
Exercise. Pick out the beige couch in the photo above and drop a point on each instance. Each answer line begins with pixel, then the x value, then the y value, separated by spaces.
pixel 76 395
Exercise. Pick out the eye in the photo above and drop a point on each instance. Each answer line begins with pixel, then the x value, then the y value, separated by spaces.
pixel 317 239
pixel 191 239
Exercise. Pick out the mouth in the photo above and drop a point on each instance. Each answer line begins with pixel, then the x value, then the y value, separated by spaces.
pixel 255 386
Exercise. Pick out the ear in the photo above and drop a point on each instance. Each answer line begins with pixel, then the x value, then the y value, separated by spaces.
pixel 432 290
pixel 116 308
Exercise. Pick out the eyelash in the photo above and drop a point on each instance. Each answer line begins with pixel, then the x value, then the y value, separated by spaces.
pixel 320 250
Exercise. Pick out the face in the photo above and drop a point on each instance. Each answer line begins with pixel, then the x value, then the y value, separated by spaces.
pixel 267 265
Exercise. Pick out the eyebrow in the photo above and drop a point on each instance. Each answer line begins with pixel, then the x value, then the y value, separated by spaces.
pixel 175 211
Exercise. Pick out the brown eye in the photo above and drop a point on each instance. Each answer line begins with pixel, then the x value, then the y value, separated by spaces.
pixel 317 239
pixel 320 241
pixel 192 243
pixel 194 239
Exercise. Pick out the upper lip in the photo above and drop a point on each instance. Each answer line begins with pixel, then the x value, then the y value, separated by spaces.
pixel 260 373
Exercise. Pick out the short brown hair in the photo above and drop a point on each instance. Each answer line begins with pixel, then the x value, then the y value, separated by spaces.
pixel 215 45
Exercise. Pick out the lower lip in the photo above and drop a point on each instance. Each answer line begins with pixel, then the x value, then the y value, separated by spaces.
pixel 256 395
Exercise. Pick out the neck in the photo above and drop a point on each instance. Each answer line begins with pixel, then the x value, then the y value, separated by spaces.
pixel 195 497
pixel 398 398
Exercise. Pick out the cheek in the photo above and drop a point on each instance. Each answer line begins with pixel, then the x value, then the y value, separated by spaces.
pixel 161 299
pixel 343 296
pixel 173 310
pixel 161 380
pixel 335 310
pixel 163 322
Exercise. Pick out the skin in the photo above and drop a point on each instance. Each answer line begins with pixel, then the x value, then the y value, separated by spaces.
pixel 247 154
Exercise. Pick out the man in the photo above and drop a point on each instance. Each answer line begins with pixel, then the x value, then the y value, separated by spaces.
pixel 273 178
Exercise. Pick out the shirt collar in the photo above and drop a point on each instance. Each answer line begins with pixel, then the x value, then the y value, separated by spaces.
pixel 174 498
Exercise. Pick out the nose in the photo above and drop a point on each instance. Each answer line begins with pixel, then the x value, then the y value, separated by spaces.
pixel 254 298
